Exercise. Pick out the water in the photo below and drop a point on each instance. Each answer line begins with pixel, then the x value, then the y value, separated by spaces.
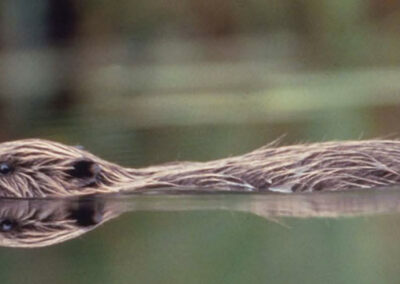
pixel 42 222
pixel 206 237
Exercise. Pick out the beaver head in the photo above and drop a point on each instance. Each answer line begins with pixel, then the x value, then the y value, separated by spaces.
pixel 39 168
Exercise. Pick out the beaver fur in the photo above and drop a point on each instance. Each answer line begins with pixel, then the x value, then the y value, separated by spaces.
pixel 41 168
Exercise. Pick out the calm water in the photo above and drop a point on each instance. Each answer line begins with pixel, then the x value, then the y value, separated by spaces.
pixel 203 237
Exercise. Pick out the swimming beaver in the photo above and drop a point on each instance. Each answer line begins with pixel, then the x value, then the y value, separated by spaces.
pixel 40 168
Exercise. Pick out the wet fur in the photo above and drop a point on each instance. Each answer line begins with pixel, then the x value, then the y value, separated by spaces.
pixel 44 168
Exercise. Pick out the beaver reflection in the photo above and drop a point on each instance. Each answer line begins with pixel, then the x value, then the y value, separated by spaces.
pixel 37 223
pixel 42 222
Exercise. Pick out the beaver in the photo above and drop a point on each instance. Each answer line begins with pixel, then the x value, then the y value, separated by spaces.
pixel 41 168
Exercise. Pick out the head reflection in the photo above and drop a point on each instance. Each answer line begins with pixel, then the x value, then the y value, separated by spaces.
pixel 36 223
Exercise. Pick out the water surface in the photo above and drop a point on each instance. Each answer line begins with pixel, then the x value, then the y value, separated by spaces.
pixel 203 237
pixel 42 222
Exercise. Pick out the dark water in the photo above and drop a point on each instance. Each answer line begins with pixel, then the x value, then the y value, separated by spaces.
pixel 203 237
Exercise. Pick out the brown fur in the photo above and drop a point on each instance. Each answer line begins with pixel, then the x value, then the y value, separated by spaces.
pixel 43 168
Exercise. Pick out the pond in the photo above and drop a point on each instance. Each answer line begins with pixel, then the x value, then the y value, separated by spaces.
pixel 197 236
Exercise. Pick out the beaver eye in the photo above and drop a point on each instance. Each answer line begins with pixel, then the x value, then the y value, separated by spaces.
pixel 5 168
pixel 7 225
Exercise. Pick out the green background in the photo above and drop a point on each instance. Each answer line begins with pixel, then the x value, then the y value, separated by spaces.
pixel 146 82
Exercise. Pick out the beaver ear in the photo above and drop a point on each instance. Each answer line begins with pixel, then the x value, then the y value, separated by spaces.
pixel 79 147
pixel 84 169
